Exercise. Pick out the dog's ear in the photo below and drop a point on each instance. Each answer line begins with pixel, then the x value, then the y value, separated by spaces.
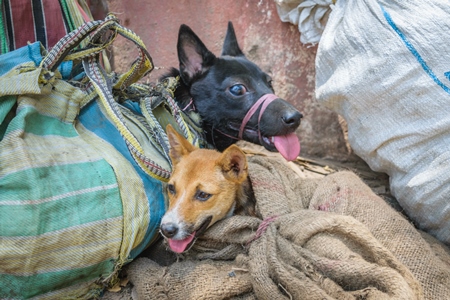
pixel 195 59
pixel 179 146
pixel 234 164
pixel 230 45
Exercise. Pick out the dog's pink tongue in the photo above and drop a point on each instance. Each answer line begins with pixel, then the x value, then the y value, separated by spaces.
pixel 288 145
pixel 179 246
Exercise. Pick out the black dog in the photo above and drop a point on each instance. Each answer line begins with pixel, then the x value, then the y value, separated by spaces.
pixel 233 96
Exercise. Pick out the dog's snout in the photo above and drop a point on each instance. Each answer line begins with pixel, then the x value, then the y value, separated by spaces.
pixel 292 118
pixel 169 229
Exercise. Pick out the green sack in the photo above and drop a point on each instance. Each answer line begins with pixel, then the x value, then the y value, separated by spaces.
pixel 78 201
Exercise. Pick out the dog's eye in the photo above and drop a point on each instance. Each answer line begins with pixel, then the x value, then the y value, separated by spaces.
pixel 171 189
pixel 202 196
pixel 238 89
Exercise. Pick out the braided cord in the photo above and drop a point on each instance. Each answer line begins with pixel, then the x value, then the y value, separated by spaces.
pixel 100 35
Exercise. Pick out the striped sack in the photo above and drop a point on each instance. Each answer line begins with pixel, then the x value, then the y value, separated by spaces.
pixel 81 175
pixel 28 21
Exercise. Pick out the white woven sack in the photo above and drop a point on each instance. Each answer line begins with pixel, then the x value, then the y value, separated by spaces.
pixel 384 66
pixel 309 15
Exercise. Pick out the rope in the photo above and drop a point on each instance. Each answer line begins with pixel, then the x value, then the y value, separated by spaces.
pixel 189 104
pixel 262 228
pixel 100 34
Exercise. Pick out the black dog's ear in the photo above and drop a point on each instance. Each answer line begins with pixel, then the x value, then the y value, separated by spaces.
pixel 230 45
pixel 195 59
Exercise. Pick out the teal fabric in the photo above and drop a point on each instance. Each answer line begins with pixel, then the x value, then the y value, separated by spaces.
pixel 61 214
pixel 93 119
pixel 31 52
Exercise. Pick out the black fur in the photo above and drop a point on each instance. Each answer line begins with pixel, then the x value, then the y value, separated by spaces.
pixel 224 88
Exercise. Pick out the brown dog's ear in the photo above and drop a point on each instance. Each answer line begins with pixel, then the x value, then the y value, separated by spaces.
pixel 179 146
pixel 234 164
pixel 195 59
pixel 230 45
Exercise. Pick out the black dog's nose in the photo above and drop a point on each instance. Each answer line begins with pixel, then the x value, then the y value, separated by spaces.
pixel 169 229
pixel 292 118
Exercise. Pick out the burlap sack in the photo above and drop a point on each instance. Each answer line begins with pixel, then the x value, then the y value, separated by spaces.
pixel 188 280
pixel 329 238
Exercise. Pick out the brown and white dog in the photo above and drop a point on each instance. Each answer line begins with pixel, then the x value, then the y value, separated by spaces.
pixel 205 187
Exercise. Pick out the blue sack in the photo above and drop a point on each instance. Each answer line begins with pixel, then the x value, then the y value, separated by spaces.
pixel 83 160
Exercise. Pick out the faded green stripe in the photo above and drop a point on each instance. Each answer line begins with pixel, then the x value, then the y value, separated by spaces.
pixel 68 15
pixel 45 182
pixel 30 120
pixel 32 220
pixel 6 104
pixel 23 287
pixel 3 40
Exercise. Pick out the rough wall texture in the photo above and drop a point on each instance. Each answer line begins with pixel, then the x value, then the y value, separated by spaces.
pixel 273 45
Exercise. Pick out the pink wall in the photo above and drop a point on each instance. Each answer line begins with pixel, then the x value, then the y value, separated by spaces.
pixel 273 45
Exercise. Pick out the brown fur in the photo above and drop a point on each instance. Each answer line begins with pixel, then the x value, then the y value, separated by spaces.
pixel 205 184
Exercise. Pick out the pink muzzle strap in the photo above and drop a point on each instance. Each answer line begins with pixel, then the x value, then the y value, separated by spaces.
pixel 189 104
pixel 287 145
pixel 262 102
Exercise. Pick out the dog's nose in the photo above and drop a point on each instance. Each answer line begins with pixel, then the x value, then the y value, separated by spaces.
pixel 169 229
pixel 292 118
